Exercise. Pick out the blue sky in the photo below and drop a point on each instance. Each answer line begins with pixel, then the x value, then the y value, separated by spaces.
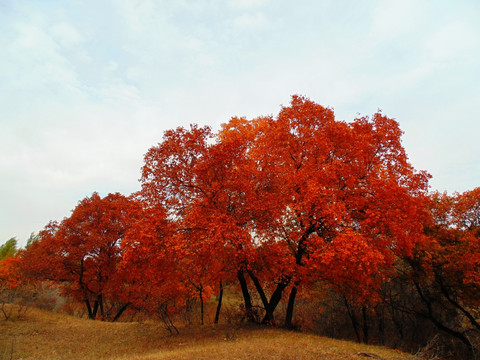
pixel 86 87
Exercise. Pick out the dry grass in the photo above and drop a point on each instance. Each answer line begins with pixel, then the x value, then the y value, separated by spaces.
pixel 44 335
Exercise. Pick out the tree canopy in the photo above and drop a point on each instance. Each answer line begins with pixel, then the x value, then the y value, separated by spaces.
pixel 280 206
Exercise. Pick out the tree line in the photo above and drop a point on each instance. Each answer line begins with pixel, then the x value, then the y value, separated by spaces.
pixel 287 208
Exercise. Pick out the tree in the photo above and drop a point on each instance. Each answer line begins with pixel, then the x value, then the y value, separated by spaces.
pixel 280 197
pixel 9 283
pixel 151 267
pixel 329 188
pixel 83 252
pixel 10 278
pixel 31 239
pixel 196 182
pixel 8 249
pixel 444 271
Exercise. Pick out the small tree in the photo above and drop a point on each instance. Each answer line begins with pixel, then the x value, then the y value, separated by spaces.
pixel 444 272
pixel 84 251
pixel 8 249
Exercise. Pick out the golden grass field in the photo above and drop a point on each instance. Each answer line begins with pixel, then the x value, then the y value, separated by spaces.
pixel 44 335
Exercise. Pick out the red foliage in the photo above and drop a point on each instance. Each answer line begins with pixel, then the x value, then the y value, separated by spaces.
pixel 9 273
pixel 150 265
pixel 83 252
pixel 286 201
pixel 291 198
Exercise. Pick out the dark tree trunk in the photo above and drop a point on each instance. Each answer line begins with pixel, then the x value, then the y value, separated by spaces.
pixel 263 297
pixel 89 310
pixel 365 325
pixel 301 249
pixel 271 305
pixel 277 294
pixel 100 303
pixel 398 323
pixel 120 312
pixel 430 315
pixel 275 300
pixel 219 305
pixel 456 304
pixel 95 309
pixel 353 319
pixel 200 293
pixel 246 296
pixel 381 324
pixel 290 307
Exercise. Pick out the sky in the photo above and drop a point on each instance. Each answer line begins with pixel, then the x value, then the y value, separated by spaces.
pixel 87 87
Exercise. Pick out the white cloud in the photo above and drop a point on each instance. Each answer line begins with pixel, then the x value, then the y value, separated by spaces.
pixel 250 21
pixel 33 58
pixel 246 4
pixel 88 87
pixel 112 66
pixel 66 35
pixel 392 19
pixel 206 59
pixel 456 41
pixel 139 14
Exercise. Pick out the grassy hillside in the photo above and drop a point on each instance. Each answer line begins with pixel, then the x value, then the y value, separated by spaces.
pixel 44 335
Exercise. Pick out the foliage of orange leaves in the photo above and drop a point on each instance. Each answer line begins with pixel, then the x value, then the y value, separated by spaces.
pixel 9 274
pixel 84 251
pixel 281 201
pixel 454 250
pixel 300 196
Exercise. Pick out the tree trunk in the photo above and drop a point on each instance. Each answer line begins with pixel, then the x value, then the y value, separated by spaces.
pixel 438 323
pixel 95 309
pixel 89 310
pixel 200 291
pixel 381 324
pixel 120 312
pixel 275 300
pixel 301 249
pixel 268 312
pixel 219 305
pixel 271 305
pixel 365 325
pixel 246 296
pixel 353 319
pixel 100 303
pixel 290 307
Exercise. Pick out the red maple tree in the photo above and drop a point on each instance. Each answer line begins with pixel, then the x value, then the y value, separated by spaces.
pixel 83 253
